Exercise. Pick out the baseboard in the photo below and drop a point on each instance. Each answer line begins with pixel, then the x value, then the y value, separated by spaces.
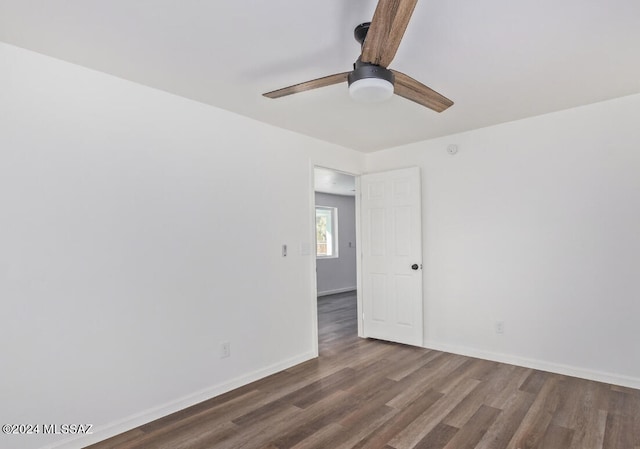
pixel 115 428
pixel 337 290
pixel 567 370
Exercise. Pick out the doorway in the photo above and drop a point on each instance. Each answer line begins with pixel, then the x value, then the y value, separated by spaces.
pixel 336 254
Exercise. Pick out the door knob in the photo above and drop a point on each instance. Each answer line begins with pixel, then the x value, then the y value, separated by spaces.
pixel 415 266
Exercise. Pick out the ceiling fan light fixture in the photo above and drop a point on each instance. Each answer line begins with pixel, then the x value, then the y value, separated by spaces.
pixel 371 90
pixel 370 83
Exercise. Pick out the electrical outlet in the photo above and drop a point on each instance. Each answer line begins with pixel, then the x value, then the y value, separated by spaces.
pixel 499 327
pixel 225 349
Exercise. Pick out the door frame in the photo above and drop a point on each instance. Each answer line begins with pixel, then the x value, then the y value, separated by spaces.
pixel 313 274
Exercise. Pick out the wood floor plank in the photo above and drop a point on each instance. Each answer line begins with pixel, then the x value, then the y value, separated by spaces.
pixel 288 420
pixel 411 365
pixel 438 438
pixel 363 393
pixel 619 431
pixel 501 432
pixel 591 416
pixel 323 438
pixel 381 436
pixel 535 422
pixel 472 432
pixel 425 423
pixel 487 389
pixel 316 419
pixel 194 437
pixel 534 382
pixel 438 370
pixel 591 435
pixel 566 414
pixel 359 429
pixel 556 436
pixel 316 390
pixel 517 375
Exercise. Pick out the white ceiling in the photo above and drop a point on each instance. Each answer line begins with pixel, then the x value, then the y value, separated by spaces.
pixel 337 183
pixel 498 60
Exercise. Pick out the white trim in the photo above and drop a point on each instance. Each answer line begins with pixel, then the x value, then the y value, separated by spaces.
pixel 557 368
pixel 131 422
pixel 359 305
pixel 337 290
pixel 313 293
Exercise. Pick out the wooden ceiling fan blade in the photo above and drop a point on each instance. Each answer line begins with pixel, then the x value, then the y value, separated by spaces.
pixel 389 23
pixel 413 90
pixel 308 85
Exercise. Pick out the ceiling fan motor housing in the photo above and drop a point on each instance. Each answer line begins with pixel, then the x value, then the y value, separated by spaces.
pixel 362 70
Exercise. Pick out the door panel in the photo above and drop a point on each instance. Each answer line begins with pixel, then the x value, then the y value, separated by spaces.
pixel 392 243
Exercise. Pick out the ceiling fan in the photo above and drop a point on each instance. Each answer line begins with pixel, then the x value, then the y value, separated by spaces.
pixel 370 79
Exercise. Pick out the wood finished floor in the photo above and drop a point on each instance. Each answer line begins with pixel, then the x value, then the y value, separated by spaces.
pixel 372 394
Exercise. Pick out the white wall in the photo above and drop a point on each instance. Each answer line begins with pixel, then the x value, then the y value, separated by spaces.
pixel 337 275
pixel 138 230
pixel 535 223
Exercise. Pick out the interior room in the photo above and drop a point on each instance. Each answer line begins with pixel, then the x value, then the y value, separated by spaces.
pixel 336 251
pixel 158 234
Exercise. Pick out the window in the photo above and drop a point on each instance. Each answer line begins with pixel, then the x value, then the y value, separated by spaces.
pixel 326 231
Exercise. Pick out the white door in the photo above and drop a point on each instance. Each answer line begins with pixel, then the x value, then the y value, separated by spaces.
pixel 392 256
